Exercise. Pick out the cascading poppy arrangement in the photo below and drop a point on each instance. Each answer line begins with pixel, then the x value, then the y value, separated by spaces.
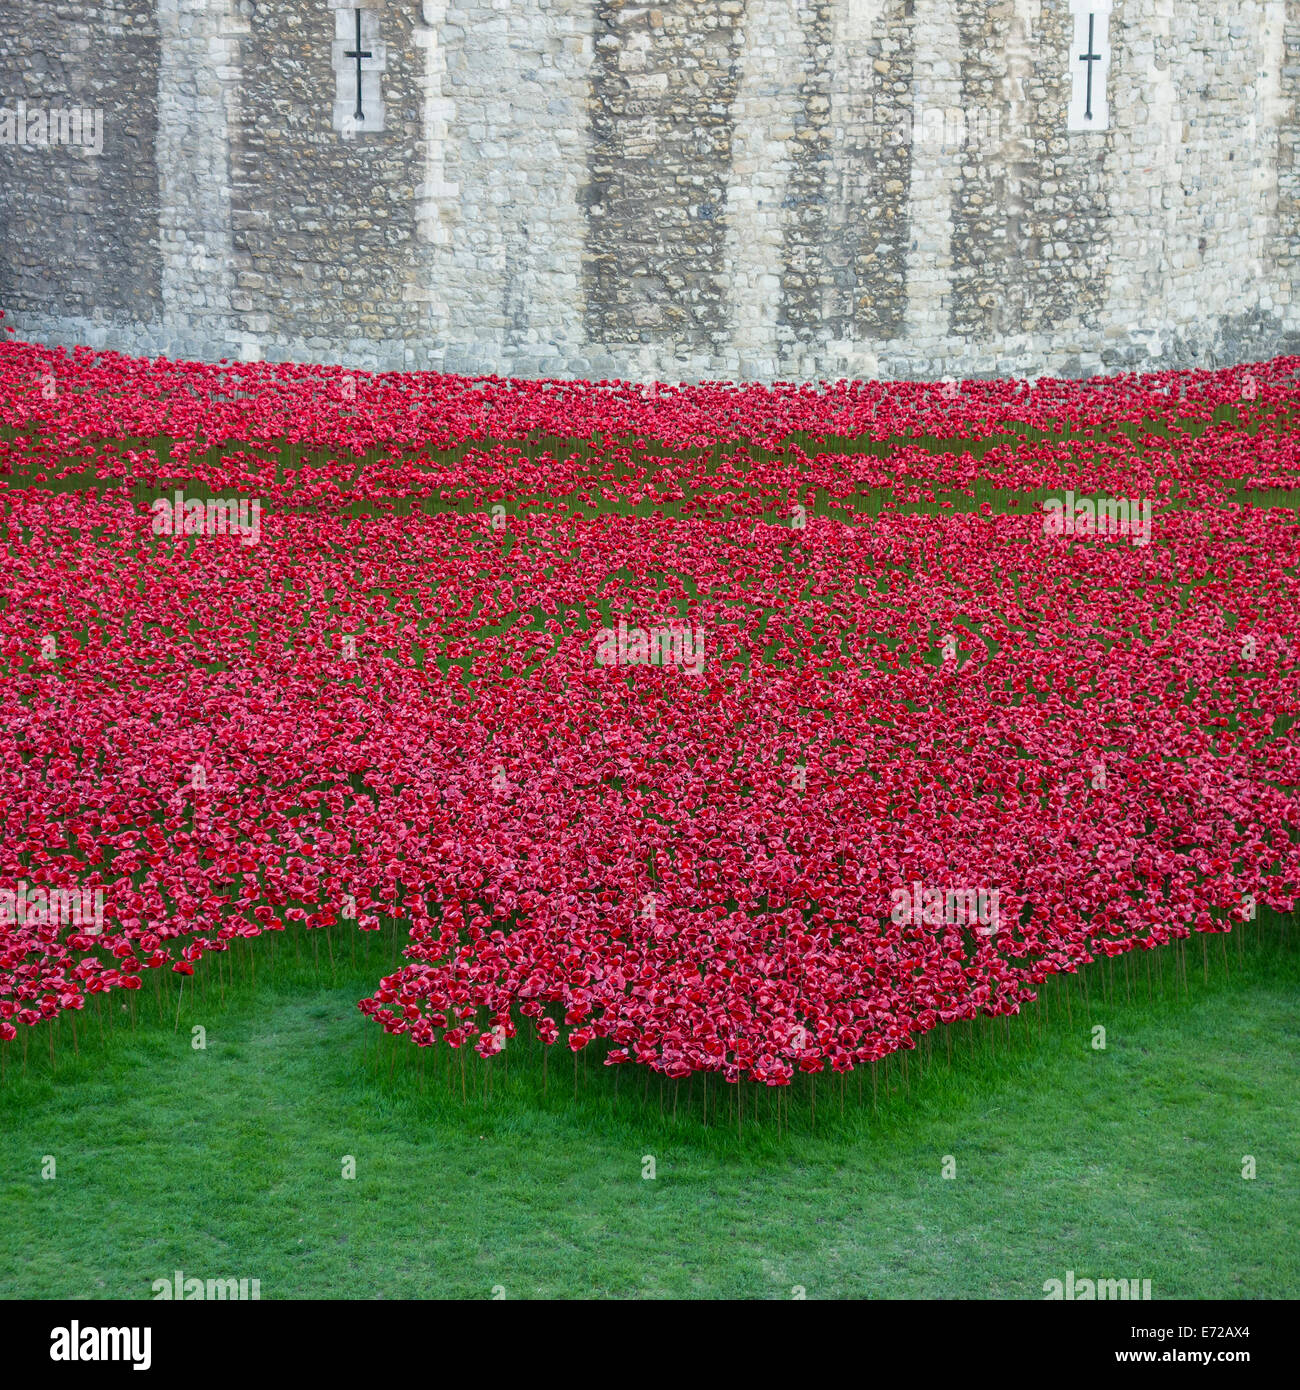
pixel 881 682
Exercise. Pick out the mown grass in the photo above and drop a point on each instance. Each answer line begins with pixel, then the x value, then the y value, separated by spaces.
pixel 470 1176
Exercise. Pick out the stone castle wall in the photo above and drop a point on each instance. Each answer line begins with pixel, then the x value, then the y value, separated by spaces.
pixel 772 189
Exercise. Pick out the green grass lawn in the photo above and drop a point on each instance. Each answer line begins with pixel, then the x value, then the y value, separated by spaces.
pixel 228 1161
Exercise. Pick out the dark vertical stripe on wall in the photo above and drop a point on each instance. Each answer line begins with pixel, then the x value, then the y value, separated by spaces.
pixel 1008 228
pixel 663 84
pixel 1286 251
pixel 806 279
pixel 844 273
pixel 81 232
pixel 324 227
pixel 868 199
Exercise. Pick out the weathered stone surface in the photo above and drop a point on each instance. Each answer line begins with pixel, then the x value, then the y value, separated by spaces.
pixel 684 189
pixel 79 233
pixel 660 110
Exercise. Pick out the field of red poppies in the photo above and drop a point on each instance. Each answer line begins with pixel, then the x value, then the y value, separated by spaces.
pixel 724 728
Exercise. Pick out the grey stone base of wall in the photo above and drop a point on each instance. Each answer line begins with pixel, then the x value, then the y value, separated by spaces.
pixel 1216 343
